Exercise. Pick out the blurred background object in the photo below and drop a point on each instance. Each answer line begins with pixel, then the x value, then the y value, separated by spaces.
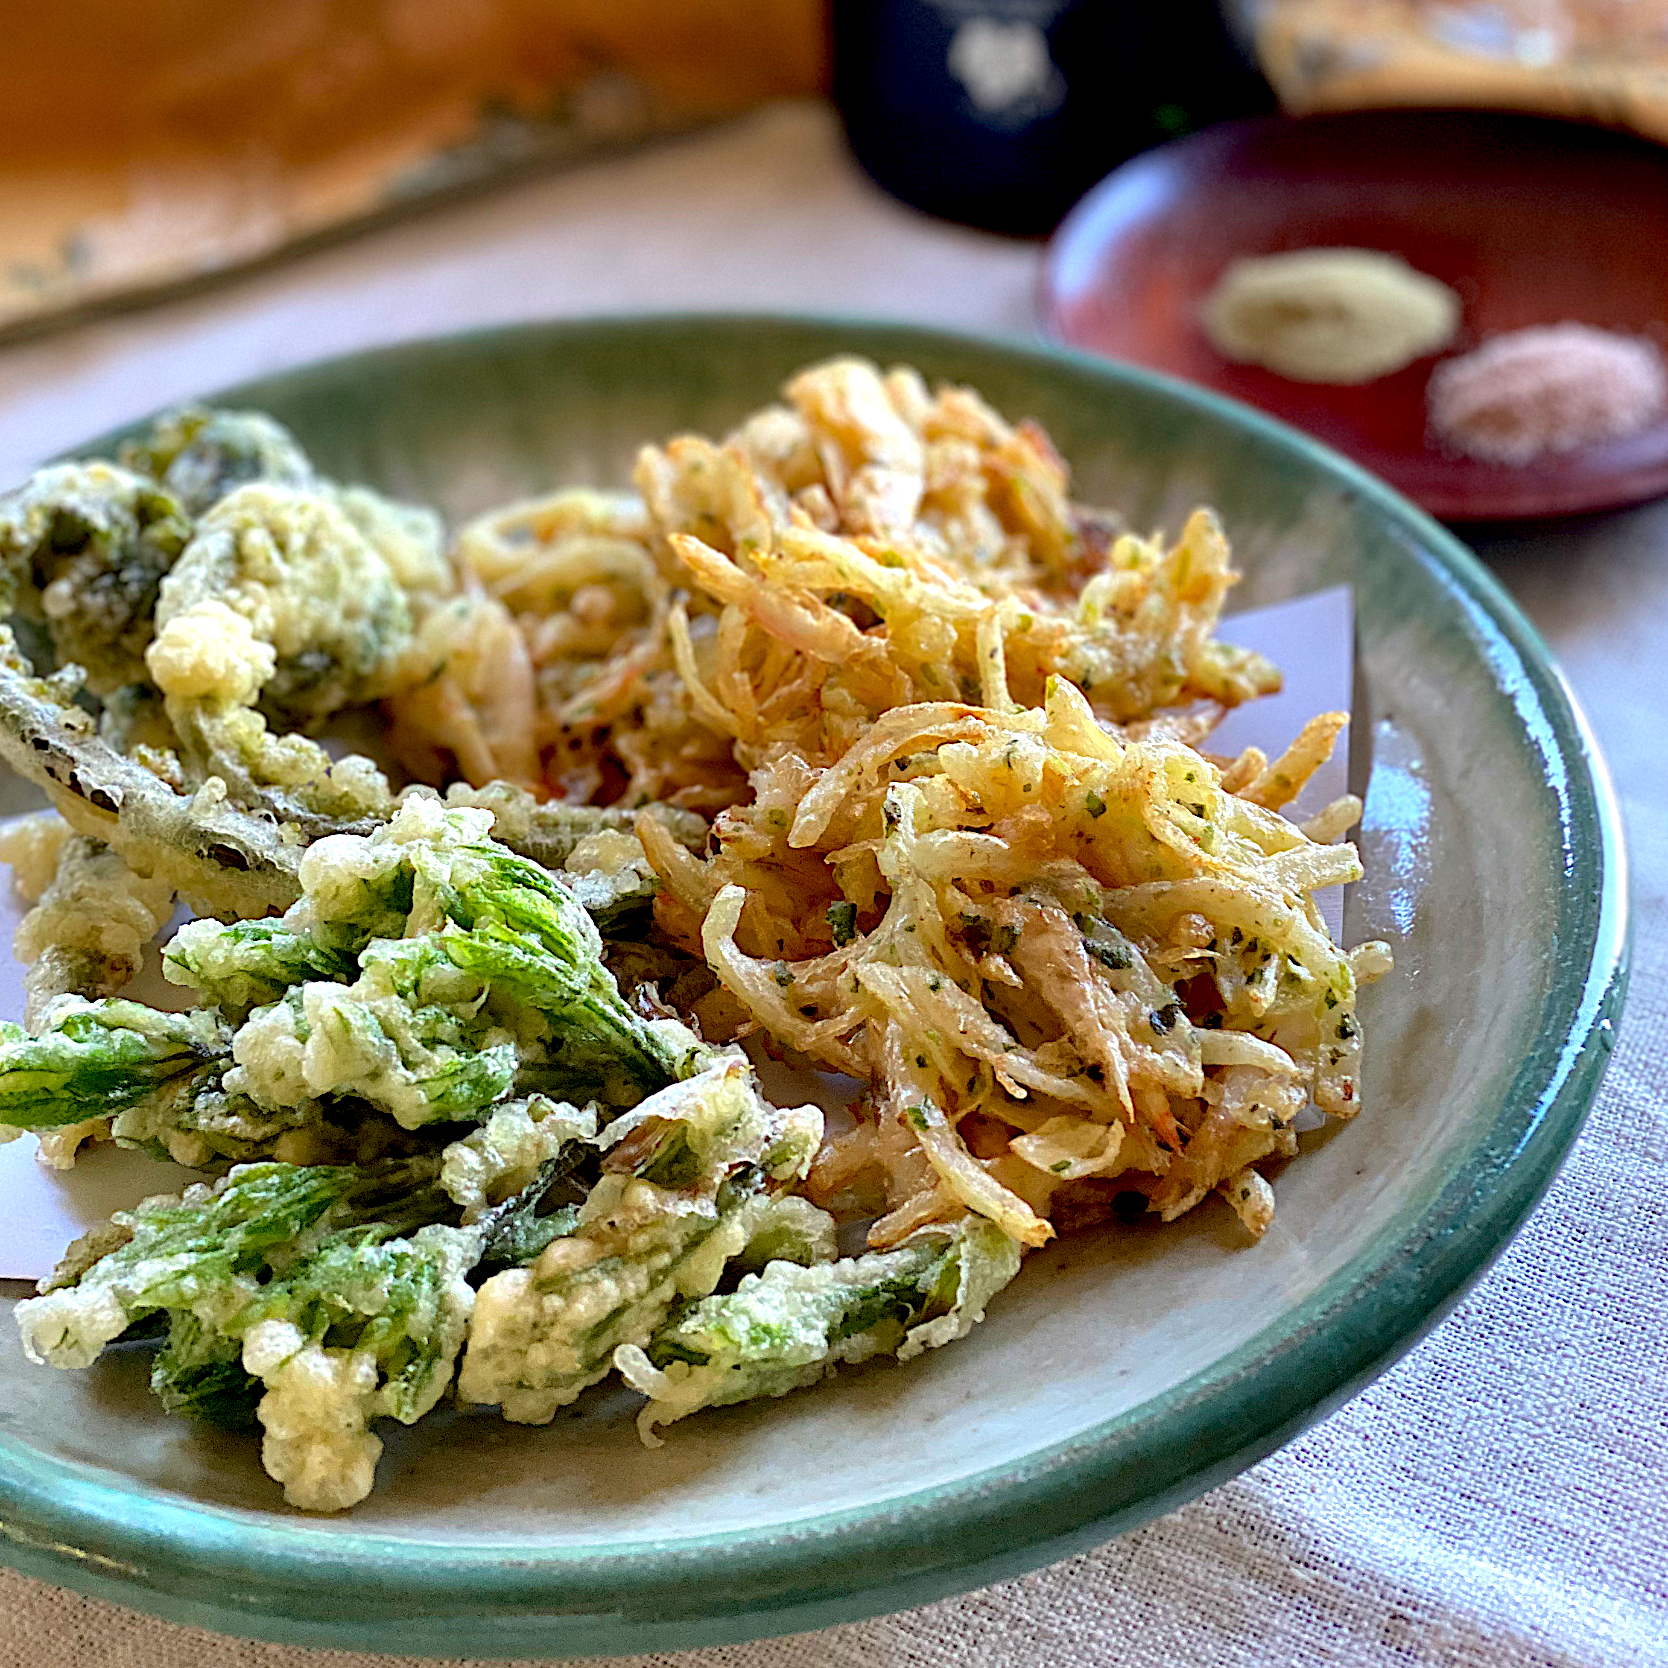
pixel 141 147
pixel 145 145
pixel 1590 60
pixel 1002 113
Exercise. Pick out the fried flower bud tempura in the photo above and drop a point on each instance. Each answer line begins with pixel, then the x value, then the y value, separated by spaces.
pixel 84 548
pixel 200 456
pixel 85 935
pixel 460 971
pixel 217 856
pixel 279 610
pixel 95 1058
pixel 156 1081
pixel 476 969
pixel 239 966
pixel 425 975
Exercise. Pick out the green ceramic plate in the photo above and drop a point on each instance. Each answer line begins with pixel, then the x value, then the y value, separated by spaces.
pixel 1124 1372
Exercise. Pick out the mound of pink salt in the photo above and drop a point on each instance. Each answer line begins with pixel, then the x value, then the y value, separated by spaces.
pixel 1550 388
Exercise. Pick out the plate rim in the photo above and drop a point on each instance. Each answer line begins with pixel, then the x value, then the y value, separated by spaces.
pixel 284 1579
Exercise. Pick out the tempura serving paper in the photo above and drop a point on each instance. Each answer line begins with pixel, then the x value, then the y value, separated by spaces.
pixel 1311 639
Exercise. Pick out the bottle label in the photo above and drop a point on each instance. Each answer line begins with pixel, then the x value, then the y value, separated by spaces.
pixel 999 55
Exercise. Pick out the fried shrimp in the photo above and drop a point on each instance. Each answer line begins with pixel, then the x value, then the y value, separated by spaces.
pixel 555 669
pixel 866 546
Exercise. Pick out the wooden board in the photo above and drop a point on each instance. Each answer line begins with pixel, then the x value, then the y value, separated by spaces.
pixel 146 145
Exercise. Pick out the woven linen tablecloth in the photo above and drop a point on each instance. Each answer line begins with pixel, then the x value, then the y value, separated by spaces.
pixel 1498 1498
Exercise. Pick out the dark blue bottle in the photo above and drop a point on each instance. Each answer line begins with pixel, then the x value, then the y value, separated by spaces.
pixel 1002 113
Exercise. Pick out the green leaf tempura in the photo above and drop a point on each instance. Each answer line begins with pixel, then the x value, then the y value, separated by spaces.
pixel 95 1058
pixel 314 1298
pixel 541 1334
pixel 791 1326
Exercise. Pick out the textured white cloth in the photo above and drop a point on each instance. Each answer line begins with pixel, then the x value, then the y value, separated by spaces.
pixel 1497 1499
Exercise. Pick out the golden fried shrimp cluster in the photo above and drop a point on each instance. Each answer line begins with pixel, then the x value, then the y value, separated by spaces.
pixel 1066 965
pixel 867 545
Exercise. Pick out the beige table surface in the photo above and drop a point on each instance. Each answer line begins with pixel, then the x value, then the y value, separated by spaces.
pixel 1497 1498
